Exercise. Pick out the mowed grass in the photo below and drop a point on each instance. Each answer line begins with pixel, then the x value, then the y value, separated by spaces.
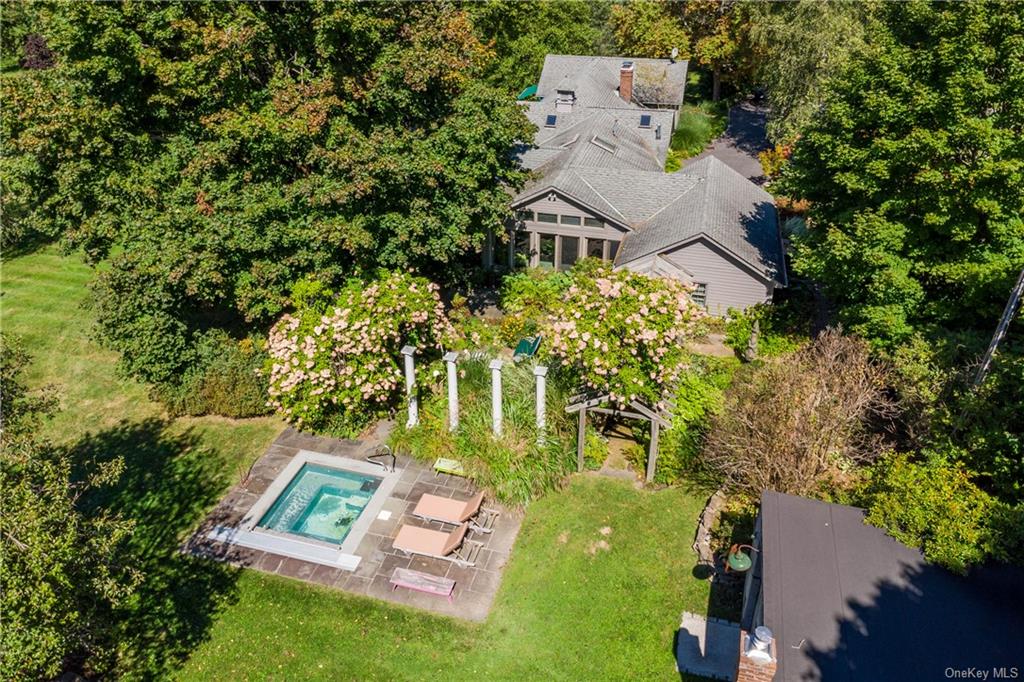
pixel 575 604
pixel 44 304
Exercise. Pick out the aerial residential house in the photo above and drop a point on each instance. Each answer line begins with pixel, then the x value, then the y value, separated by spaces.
pixel 604 127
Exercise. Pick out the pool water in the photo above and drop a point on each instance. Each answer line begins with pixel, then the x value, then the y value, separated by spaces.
pixel 321 503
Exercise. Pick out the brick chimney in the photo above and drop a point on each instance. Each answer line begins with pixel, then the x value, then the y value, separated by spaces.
pixel 626 81
pixel 757 661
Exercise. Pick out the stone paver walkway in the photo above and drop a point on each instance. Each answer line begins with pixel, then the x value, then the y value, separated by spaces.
pixel 475 586
pixel 708 647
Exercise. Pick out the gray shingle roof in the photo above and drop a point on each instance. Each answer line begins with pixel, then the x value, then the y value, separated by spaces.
pixel 620 173
pixel 727 208
pixel 595 80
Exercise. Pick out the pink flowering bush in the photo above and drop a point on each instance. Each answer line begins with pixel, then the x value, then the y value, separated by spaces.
pixel 335 363
pixel 623 333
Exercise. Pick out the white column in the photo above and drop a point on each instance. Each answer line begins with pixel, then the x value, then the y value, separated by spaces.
pixel 453 390
pixel 496 396
pixel 541 373
pixel 410 387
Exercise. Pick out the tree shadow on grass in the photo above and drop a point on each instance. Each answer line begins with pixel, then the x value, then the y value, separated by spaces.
pixel 169 481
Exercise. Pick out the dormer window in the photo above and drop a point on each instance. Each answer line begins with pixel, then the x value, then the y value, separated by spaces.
pixel 645 120
pixel 550 121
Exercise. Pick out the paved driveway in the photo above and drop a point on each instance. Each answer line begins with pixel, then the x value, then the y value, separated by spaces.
pixel 743 140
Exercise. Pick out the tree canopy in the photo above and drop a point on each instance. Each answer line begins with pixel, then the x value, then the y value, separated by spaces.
pixel 800 45
pixel 915 172
pixel 216 153
pixel 62 570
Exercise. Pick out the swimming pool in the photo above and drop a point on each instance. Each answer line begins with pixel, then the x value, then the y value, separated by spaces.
pixel 317 509
pixel 321 502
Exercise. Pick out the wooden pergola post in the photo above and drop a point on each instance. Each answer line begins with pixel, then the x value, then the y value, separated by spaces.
pixel 652 452
pixel 583 402
pixel 581 439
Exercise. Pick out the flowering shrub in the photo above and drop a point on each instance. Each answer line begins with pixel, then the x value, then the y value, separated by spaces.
pixel 623 333
pixel 336 365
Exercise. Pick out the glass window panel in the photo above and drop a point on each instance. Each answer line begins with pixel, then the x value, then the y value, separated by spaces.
pixel 547 218
pixel 522 249
pixel 700 295
pixel 570 251
pixel 547 250
pixel 570 220
pixel 524 215
pixel 592 222
pixel 595 248
pixel 613 248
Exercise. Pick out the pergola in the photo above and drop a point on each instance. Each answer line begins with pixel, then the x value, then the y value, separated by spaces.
pixel 592 402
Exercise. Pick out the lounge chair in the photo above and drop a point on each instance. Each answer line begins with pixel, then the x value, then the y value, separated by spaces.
pixel 437 544
pixel 526 348
pixel 448 510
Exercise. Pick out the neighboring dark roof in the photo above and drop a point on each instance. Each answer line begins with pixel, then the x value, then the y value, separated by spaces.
pixel 846 602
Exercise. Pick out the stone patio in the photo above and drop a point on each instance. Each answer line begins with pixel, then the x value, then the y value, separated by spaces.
pixel 709 647
pixel 475 586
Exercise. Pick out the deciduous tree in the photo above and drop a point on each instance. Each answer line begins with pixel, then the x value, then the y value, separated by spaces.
pixel 61 571
pixel 915 172
pixel 800 45
pixel 799 420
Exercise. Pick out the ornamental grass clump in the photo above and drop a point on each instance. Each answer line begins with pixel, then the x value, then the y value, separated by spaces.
pixel 623 333
pixel 335 363
pixel 514 467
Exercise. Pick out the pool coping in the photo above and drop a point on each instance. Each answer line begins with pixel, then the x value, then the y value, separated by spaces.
pixel 248 534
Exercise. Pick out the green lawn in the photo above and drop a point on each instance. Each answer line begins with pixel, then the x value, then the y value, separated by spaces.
pixel 44 304
pixel 569 607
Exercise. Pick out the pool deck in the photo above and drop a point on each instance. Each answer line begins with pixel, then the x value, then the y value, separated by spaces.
pixel 475 586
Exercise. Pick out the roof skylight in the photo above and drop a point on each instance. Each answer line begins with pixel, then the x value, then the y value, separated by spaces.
pixel 550 121
pixel 645 120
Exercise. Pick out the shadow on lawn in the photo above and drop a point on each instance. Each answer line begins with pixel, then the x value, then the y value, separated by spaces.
pixel 169 481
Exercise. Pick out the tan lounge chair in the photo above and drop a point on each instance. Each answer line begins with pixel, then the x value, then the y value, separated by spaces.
pixel 438 544
pixel 448 510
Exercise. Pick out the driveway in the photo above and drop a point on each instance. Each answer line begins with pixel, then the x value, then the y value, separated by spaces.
pixel 743 140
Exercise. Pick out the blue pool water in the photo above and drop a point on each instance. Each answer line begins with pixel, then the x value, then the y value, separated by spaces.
pixel 321 503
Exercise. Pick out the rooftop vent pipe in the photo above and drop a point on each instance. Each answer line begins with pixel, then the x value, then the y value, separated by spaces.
pixel 759 644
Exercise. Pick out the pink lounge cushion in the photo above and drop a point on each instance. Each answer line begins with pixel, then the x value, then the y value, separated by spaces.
pixel 426 541
pixel 447 509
